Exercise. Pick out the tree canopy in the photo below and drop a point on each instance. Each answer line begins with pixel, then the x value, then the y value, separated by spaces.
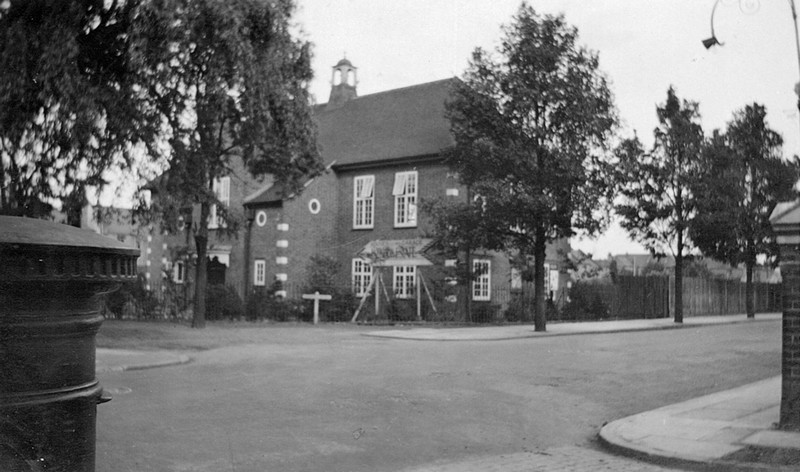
pixel 531 125
pixel 68 101
pixel 229 81
pixel 742 178
pixel 656 201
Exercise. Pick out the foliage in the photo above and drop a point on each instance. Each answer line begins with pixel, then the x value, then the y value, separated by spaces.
pixel 743 178
pixel 654 268
pixel 656 200
pixel 323 275
pixel 530 129
pixel 69 107
pixel 229 83
pixel 223 303
pixel 587 302
pixel 264 305
pixel 132 300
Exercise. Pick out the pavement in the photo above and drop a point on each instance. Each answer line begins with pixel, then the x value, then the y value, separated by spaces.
pixel 716 430
pixel 518 331
pixel 117 360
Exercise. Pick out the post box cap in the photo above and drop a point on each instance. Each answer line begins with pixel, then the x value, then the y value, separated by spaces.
pixel 16 230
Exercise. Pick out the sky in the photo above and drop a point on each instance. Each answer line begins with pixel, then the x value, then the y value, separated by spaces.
pixel 644 47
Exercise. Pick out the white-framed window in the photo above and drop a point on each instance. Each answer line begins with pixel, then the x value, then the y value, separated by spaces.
pixel 405 281
pixel 362 276
pixel 481 285
pixel 222 189
pixel 516 278
pixel 554 279
pixel 547 280
pixel 179 272
pixel 405 199
pixel 363 201
pixel 259 272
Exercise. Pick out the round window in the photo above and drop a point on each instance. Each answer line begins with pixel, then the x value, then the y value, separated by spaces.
pixel 261 218
pixel 314 206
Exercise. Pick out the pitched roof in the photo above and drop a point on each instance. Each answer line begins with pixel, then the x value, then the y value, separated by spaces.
pixel 399 123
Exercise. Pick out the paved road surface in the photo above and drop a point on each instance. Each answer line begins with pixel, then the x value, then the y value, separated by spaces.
pixel 327 400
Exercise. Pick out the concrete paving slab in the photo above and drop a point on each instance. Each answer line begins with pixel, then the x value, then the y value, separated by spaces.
pixel 730 435
pixel 783 439
pixel 687 449
pixel 706 429
pixel 498 333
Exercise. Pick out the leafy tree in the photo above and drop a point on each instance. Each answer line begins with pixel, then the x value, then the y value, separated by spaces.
pixel 229 82
pixel 656 200
pixel 530 128
pixel 459 228
pixel 68 102
pixel 743 178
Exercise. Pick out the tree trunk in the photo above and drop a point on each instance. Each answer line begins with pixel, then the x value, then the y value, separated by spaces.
pixel 201 277
pixel 468 286
pixel 679 280
pixel 748 290
pixel 539 300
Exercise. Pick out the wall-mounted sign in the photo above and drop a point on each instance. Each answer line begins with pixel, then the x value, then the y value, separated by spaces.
pixel 396 252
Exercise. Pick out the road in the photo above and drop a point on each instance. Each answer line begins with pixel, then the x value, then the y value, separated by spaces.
pixel 318 399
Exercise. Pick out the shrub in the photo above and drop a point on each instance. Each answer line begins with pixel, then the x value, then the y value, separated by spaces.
pixel 323 275
pixel 586 302
pixel 264 305
pixel 484 312
pixel 401 310
pixel 223 303
pixel 131 300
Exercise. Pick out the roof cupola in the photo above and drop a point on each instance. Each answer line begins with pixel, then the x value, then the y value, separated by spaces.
pixel 343 84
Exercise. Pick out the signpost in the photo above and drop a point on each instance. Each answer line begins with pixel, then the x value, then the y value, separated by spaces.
pixel 316 297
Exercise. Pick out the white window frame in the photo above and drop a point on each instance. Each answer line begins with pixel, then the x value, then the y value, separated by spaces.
pixel 482 284
pixel 404 281
pixel 546 280
pixel 364 202
pixel 222 189
pixel 260 272
pixel 516 278
pixel 179 272
pixel 361 276
pixel 406 186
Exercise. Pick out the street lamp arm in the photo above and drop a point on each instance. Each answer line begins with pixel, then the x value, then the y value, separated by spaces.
pixel 712 41
pixel 797 46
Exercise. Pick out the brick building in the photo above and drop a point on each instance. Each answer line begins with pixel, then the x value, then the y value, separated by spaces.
pixel 382 154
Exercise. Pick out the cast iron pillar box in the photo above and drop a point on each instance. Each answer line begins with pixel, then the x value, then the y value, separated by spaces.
pixel 785 220
pixel 50 278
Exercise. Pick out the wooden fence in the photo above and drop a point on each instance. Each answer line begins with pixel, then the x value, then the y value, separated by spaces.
pixel 703 297
pixel 654 297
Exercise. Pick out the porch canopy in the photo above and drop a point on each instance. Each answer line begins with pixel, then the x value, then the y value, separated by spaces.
pixel 396 252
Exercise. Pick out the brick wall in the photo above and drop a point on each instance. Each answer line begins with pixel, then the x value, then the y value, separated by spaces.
pixel 295 230
pixel 790 394
pixel 164 248
pixel 433 180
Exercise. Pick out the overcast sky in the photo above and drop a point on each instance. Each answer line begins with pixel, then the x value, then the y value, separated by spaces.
pixel 644 47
